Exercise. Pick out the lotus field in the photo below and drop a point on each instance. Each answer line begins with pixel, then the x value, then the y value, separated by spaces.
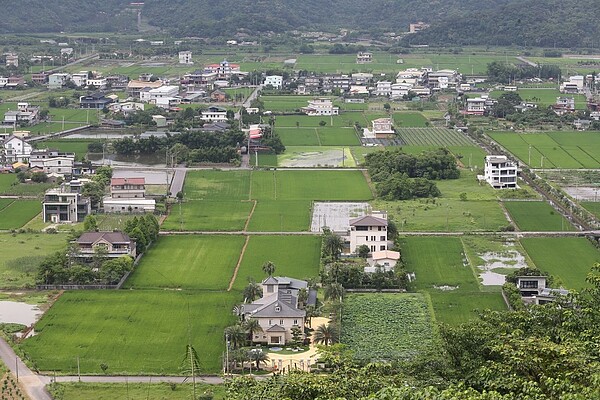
pixel 378 326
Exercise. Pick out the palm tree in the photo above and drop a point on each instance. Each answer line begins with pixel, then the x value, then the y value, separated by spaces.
pixel 333 245
pixel 252 326
pixel 235 335
pixel 258 356
pixel 334 291
pixel 302 297
pixel 252 292
pixel 268 268
pixel 311 311
pixel 326 334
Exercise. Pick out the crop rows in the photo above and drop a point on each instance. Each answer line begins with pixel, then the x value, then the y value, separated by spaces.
pixel 386 326
pixel 441 137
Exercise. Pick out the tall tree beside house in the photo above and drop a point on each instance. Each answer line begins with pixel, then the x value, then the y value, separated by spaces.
pixel 252 326
pixel 334 291
pixel 326 334
pixel 90 223
pixel 252 291
pixel 332 245
pixel 268 268
pixel 236 336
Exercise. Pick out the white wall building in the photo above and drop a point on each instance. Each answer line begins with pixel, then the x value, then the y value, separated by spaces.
pixel 500 172
pixel 274 80
pixel 370 230
pixel 185 57
pixel 16 150
pixel 52 161
pixel 383 88
pixel 214 114
pixel 321 106
pixel 476 106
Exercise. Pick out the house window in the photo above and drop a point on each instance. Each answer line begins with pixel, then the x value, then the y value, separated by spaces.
pixel 529 284
pixel 362 228
pixel 379 228
pixel 382 238
pixel 373 238
pixel 271 322
pixel 295 322
pixel 277 309
pixel 382 247
pixel 269 288
pixel 373 248
pixel 281 322
pixel 275 339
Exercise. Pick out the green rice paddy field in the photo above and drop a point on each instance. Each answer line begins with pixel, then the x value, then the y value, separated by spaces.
pixel 77 146
pixel 536 216
pixel 18 213
pixel 283 199
pixel 593 207
pixel 133 332
pixel 439 262
pixel 21 255
pixel 553 149
pixel 188 262
pixel 569 259
pixel 132 391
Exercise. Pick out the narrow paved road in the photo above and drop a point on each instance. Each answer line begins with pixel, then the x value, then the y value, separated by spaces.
pixel 32 383
pixel 177 182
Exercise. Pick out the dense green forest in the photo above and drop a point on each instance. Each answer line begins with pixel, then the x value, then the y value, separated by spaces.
pixel 549 23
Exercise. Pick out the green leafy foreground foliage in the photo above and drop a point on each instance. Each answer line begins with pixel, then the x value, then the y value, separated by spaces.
pixel 540 353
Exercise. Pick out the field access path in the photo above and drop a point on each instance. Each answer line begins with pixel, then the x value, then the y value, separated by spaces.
pixel 33 384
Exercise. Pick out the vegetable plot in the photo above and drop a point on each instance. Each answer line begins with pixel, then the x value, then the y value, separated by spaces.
pixel 379 326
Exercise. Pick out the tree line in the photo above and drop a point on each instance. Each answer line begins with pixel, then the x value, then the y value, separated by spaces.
pixel 402 176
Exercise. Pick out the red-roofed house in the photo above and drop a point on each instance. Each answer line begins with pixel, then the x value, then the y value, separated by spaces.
pixel 128 195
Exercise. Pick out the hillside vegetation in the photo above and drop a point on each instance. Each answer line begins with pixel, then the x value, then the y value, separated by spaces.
pixel 547 23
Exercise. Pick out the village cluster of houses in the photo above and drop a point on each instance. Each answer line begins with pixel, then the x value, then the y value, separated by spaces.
pixel 67 204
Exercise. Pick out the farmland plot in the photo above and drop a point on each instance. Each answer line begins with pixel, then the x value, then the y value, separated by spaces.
pixel 386 326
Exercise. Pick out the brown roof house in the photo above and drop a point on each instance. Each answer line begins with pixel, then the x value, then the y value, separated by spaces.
pixel 117 244
pixel 277 311
pixel 370 230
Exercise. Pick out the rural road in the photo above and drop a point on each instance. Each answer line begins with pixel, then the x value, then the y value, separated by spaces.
pixel 211 380
pixel 177 182
pixel 33 384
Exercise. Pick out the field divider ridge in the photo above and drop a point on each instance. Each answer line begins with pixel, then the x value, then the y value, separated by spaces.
pixel 237 266
pixel 250 215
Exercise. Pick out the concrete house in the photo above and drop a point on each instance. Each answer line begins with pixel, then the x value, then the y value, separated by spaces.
pixel 58 80
pixel 500 172
pixel 533 289
pixel 370 230
pixel 185 57
pixel 274 80
pixel 52 161
pixel 66 204
pixel 278 311
pixel 364 57
pixel 214 114
pixel 16 149
pixel 96 101
pixel 320 106
pixel 128 195
pixel 386 259
pixel 381 128
pixel 475 106
pixel 117 244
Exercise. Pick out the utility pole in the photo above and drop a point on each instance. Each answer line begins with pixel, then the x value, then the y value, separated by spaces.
pixel 78 370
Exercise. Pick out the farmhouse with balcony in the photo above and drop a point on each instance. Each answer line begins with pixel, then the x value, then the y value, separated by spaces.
pixel 116 244
pixel 381 128
pixel 364 57
pixel 24 114
pixel 65 203
pixel 320 106
pixel 564 105
pixel 128 195
pixel 533 290
pixel 370 230
pixel 214 114
pixel 96 101
pixel 16 149
pixel 278 310
pixel 385 259
pixel 52 162
pixel 500 172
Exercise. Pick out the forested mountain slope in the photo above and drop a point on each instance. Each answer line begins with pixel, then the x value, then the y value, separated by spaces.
pixel 453 22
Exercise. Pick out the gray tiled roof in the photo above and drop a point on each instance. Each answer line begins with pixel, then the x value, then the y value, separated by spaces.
pixel 368 220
